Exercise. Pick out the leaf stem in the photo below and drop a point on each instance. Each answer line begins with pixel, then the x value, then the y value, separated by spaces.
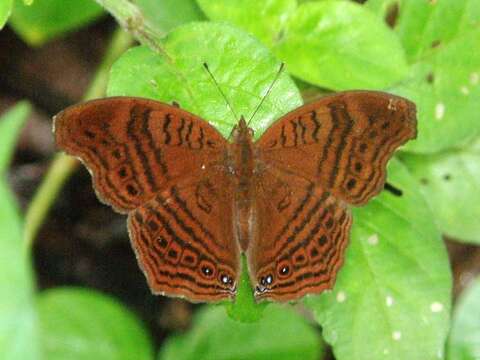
pixel 62 165
pixel 131 18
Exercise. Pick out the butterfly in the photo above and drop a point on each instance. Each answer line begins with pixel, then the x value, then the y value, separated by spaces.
pixel 196 202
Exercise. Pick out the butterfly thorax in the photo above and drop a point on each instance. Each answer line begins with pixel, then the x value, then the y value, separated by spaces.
pixel 241 153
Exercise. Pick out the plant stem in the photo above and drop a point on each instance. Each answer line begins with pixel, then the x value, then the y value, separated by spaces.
pixel 63 165
pixel 130 17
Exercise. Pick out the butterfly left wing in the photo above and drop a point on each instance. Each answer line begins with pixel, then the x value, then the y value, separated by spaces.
pixel 341 142
pixel 134 146
pixel 183 239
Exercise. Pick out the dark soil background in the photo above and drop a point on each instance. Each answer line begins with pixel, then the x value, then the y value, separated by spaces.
pixel 82 242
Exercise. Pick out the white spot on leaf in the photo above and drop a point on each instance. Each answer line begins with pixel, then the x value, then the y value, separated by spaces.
pixel 389 301
pixel 396 335
pixel 373 239
pixel 436 307
pixel 341 296
pixel 474 78
pixel 439 111
pixel 464 90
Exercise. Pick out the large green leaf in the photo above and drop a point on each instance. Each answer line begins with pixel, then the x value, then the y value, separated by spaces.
pixel 445 85
pixel 392 296
pixel 339 45
pixel 83 324
pixel 243 68
pixel 166 14
pixel 282 334
pixel 424 25
pixel 450 182
pixel 18 330
pixel 5 9
pixel 464 341
pixel 46 19
pixel 333 44
pixel 444 77
pixel 264 19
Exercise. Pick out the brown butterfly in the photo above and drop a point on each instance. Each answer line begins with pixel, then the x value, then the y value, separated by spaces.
pixel 196 202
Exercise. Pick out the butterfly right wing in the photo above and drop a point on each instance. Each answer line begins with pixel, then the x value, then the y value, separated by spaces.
pixel 341 142
pixel 301 233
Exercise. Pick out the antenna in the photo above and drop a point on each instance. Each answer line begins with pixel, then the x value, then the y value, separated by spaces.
pixel 282 65
pixel 220 89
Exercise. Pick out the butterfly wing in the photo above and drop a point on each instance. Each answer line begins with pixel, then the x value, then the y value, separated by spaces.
pixel 133 147
pixel 155 162
pixel 301 235
pixel 342 142
pixel 313 163
pixel 183 240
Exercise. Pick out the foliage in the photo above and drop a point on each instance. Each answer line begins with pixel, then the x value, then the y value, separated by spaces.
pixel 396 274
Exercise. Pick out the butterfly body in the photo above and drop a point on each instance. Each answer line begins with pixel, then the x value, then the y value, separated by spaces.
pixel 196 202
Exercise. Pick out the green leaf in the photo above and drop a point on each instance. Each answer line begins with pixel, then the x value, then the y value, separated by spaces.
pixel 282 334
pixel 244 308
pixel 83 324
pixel 334 44
pixel 10 125
pixel 340 45
pixel 167 14
pixel 46 19
pixel 243 68
pixel 5 9
pixel 392 296
pixel 443 80
pixel 464 341
pixel 264 19
pixel 424 25
pixel 18 331
pixel 446 88
pixel 450 182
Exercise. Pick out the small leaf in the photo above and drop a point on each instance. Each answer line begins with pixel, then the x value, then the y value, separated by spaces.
pixel 165 15
pixel 5 10
pixel 282 334
pixel 10 125
pixel 244 308
pixel 340 45
pixel 45 19
pixel 464 341
pixel 450 183
pixel 446 88
pixel 392 296
pixel 82 324
pixel 264 19
pixel 18 323
pixel 243 68
pixel 424 25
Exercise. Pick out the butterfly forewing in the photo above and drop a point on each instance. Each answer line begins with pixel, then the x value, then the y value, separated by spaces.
pixel 155 162
pixel 133 147
pixel 341 142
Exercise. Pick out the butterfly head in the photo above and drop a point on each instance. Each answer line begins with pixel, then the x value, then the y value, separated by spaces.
pixel 241 132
